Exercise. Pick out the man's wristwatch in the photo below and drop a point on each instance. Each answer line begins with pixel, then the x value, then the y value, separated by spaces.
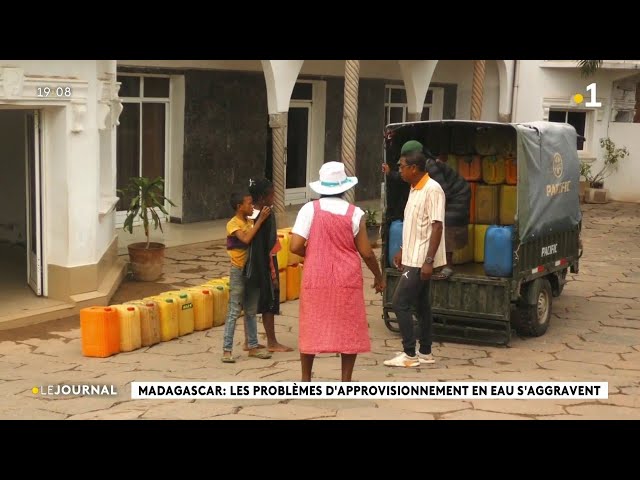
pixel 429 260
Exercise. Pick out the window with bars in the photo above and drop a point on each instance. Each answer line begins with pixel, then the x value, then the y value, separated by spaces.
pixel 575 118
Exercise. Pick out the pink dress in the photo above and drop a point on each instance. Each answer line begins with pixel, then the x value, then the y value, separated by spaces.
pixel 332 314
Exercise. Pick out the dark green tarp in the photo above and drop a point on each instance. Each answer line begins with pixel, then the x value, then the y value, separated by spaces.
pixel 548 179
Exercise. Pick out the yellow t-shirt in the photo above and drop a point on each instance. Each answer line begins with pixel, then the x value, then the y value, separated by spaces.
pixel 235 248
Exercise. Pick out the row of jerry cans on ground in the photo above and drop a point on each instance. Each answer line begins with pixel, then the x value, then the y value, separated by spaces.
pixel 139 323
pixel 109 330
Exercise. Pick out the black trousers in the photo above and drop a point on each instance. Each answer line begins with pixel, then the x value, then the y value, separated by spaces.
pixel 412 292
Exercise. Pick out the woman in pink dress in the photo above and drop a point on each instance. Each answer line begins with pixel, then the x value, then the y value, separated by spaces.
pixel 332 313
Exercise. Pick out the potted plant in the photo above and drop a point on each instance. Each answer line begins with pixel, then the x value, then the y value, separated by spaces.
pixel 147 198
pixel 596 193
pixel 373 226
pixel 584 184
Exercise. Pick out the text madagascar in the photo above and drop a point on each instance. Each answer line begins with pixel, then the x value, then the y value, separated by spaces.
pixel 371 390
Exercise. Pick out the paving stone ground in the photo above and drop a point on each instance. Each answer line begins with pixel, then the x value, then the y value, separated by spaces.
pixel 594 336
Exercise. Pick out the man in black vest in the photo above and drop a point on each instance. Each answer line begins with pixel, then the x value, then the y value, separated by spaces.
pixel 458 201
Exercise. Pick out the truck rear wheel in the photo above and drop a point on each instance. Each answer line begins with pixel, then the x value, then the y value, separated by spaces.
pixel 534 311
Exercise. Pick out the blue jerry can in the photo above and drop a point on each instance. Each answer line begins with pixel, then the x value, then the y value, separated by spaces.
pixel 395 239
pixel 498 251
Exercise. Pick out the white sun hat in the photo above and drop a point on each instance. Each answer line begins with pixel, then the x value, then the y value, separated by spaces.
pixel 333 180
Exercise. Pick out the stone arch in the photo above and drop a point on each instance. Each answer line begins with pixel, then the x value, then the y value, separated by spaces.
pixel 280 77
pixel 416 75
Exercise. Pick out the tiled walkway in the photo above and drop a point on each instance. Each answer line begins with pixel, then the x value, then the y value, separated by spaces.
pixel 594 336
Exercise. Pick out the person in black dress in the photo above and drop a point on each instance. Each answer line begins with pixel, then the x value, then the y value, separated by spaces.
pixel 262 265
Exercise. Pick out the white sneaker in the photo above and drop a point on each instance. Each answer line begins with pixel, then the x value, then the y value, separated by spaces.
pixel 403 360
pixel 425 358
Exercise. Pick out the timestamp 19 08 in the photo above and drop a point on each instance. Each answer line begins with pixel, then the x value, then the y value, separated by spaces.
pixel 53 92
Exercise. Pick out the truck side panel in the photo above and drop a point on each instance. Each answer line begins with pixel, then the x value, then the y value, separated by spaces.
pixel 553 252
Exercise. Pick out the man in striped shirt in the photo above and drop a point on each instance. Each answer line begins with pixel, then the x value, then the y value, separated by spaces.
pixel 423 249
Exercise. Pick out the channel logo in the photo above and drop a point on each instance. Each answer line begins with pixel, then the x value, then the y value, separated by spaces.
pixel 62 390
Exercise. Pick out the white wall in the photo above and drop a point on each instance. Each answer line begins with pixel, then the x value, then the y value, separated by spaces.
pixel 106 232
pixel 241 65
pixel 83 156
pixel 13 213
pixel 83 176
pixel 623 184
pixel 73 233
pixel 388 69
pixel 460 72
pixel 536 84
pixel 368 68
pixel 491 96
pixel 106 187
pixel 53 68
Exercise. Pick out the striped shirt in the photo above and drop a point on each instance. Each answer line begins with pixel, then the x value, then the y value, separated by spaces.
pixel 425 205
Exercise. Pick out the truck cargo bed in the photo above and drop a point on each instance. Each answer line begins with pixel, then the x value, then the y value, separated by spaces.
pixel 540 203
pixel 470 305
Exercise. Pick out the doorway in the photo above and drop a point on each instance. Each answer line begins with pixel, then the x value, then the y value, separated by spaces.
pixel 21 234
pixel 297 137
pixel 305 140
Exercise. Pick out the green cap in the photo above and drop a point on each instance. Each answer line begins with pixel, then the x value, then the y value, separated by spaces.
pixel 411 146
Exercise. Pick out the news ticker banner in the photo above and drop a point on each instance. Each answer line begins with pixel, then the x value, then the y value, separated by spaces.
pixel 371 390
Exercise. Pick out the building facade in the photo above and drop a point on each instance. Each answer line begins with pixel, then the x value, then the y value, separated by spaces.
pixel 73 132
pixel 58 124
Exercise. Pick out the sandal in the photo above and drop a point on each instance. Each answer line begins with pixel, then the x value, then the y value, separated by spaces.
pixel 443 274
pixel 260 354
pixel 226 359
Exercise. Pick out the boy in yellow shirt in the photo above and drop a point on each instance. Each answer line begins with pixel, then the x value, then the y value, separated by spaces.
pixel 240 232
